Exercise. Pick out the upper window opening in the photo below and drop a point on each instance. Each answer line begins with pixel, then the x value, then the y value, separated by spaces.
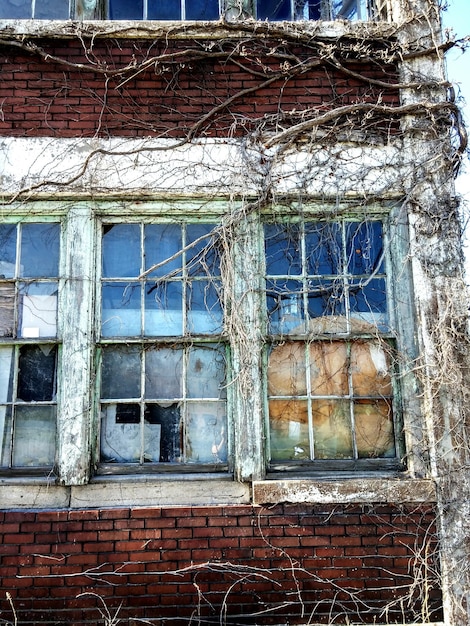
pixel 206 10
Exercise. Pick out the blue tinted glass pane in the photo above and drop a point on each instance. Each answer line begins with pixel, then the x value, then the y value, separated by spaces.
pixel 164 10
pixel 307 10
pixel 162 242
pixel 39 250
pixel 283 249
pixel 120 313
pixel 163 309
pixel 369 303
pixel 325 298
pixel 205 311
pixel 15 9
pixel 121 250
pixel 364 247
pixel 323 248
pixel 202 9
pixel 284 301
pixel 52 10
pixel 126 10
pixel 345 9
pixel 203 257
pixel 7 250
pixel 274 10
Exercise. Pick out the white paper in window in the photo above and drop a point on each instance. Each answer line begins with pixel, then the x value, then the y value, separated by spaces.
pixel 39 316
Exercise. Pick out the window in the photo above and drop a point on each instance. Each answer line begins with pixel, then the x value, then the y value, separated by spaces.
pixel 330 374
pixel 275 10
pixel 163 360
pixel 124 330
pixel 29 271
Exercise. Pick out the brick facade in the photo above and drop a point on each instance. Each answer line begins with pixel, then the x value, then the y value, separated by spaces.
pixel 286 564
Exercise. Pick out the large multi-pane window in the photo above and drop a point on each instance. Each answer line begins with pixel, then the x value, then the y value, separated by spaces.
pixel 163 362
pixel 275 10
pixel 29 285
pixel 154 370
pixel 330 374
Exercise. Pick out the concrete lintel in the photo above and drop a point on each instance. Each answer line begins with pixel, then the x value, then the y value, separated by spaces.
pixel 343 491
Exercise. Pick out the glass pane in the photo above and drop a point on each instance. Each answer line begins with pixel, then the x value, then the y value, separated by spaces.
pixel 370 369
pixel 39 250
pixel 205 312
pixel 283 249
pixel 364 248
pixel 206 437
pixel 125 10
pixel 325 298
pixel 162 242
pixel 307 10
pixel 374 429
pixel 120 315
pixel 167 10
pixel 120 433
pixel 121 251
pixel 332 429
pixel 15 9
pixel 202 9
pixel 38 310
pixel 273 10
pixel 163 373
pixel 7 309
pixel 52 9
pixel 328 368
pixel 206 372
pixel 323 248
pixel 288 422
pixel 287 370
pixel 34 436
pixel 284 301
pixel 7 248
pixel 36 373
pixel 202 259
pixel 6 373
pixel 369 303
pixel 163 309
pixel 5 435
pixel 120 372
pixel 167 415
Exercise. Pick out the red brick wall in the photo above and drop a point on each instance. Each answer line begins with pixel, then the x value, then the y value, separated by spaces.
pixel 49 98
pixel 286 564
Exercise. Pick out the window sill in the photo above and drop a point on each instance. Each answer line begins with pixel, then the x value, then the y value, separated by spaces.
pixel 347 490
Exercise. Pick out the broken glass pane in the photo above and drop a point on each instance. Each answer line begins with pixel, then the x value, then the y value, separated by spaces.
pixel 323 248
pixel 7 250
pixel 34 436
pixel 167 416
pixel 205 311
pixel 120 315
pixel 206 372
pixel 374 429
pixel 163 373
pixel 121 251
pixel 162 242
pixel 120 372
pixel 36 373
pixel 38 309
pixel 370 369
pixel 332 429
pixel 39 250
pixel 7 309
pixel 163 309
pixel 120 437
pixel 206 437
pixel 283 249
pixel 289 437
